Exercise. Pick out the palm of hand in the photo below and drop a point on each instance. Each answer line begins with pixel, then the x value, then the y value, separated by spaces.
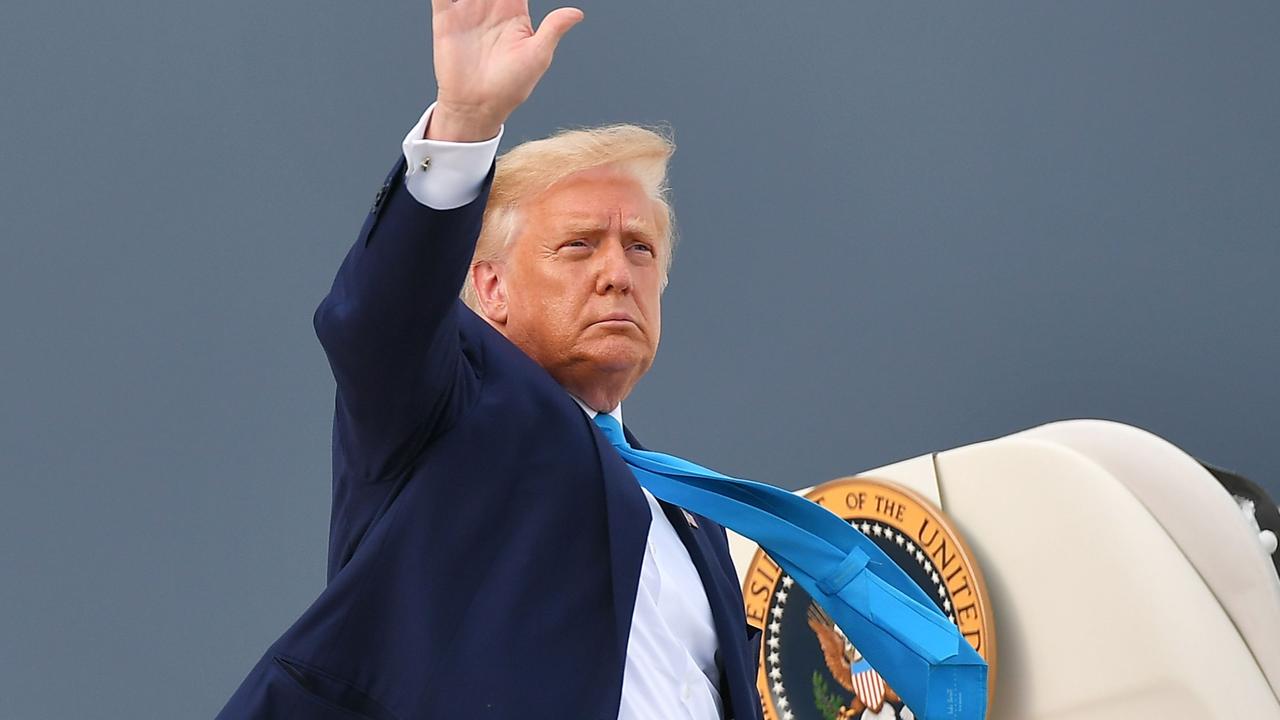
pixel 488 58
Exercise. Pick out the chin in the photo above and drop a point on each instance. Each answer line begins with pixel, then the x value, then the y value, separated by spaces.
pixel 619 355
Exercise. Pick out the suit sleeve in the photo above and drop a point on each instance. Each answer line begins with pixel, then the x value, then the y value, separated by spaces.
pixel 389 327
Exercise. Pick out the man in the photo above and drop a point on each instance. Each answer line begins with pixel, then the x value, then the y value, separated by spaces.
pixel 491 555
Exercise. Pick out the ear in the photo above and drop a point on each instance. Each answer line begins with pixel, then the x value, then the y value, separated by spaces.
pixel 491 290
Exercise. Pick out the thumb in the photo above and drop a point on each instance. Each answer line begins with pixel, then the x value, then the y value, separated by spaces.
pixel 555 25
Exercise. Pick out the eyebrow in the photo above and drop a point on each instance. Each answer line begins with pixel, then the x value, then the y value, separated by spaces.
pixel 630 226
pixel 636 226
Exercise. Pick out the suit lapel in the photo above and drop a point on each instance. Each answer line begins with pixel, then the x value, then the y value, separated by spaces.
pixel 628 518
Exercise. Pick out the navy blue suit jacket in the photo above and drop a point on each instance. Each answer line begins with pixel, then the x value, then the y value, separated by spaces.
pixel 486 540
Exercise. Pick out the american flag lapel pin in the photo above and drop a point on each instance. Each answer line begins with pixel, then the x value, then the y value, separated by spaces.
pixel 689 517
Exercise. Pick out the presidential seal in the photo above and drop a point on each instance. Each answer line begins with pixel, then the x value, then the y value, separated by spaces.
pixel 809 669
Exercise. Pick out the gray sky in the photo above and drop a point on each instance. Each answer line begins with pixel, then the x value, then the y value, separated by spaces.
pixel 906 227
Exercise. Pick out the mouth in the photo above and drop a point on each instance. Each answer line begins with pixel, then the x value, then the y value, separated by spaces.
pixel 616 318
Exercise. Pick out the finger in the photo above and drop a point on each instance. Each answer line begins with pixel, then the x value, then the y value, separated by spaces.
pixel 555 25
pixel 438 6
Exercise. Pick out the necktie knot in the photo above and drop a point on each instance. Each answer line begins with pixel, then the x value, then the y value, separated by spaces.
pixel 612 429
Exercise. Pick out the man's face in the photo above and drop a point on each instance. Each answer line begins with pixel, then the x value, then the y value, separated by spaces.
pixel 583 280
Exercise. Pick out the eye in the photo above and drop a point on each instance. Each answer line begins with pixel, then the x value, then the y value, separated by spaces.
pixel 576 243
pixel 643 247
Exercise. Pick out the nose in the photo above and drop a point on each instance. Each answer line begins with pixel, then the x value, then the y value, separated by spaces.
pixel 614 271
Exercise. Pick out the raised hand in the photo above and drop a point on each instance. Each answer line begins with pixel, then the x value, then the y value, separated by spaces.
pixel 488 59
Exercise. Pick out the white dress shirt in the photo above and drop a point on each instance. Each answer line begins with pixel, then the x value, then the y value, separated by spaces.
pixel 671 671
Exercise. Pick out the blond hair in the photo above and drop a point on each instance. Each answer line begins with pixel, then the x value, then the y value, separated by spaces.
pixel 532 167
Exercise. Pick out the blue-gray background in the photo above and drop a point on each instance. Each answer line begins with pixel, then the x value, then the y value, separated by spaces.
pixel 906 227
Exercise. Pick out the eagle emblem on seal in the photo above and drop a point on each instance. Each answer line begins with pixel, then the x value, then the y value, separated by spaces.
pixel 849 668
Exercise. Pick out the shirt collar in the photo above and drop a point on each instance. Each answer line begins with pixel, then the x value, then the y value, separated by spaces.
pixel 616 412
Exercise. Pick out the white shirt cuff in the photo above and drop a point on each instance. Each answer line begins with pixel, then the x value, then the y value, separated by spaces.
pixel 445 175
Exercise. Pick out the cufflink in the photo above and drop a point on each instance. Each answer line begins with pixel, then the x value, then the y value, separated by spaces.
pixel 426 162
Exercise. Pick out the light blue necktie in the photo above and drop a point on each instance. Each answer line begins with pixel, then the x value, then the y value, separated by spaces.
pixel 913 646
